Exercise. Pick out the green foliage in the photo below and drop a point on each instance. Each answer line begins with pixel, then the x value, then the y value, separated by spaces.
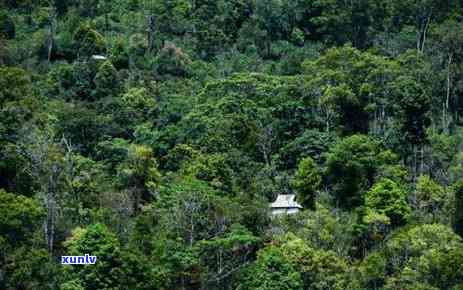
pixel 351 84
pixel 136 106
pixel 353 21
pixel 297 36
pixel 72 285
pixel 20 217
pixel 412 255
pixel 88 42
pixel 213 169
pixel 413 104
pixel 136 50
pixel 311 143
pixel 95 240
pixel 388 198
pixel 306 182
pixel 293 264
pixel 15 84
pixel 82 125
pixel 319 269
pixel 172 60
pixel 30 268
pixel 159 130
pixel 385 208
pixel 172 15
pixel 180 154
pixel 7 27
pixel 458 217
pixel 138 99
pixel 119 55
pixel 224 255
pixel 113 152
pixel 272 270
pixel 327 230
pixel 177 265
pixel 17 104
pixel 192 201
pixel 139 174
pixel 352 165
pixel 71 81
pixel 411 10
pixel 430 197
pixel 106 81
pixel 444 156
pixel 342 99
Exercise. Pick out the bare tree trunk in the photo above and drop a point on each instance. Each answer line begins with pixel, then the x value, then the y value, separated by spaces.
pixel 50 45
pixel 50 203
pixel 37 149
pixel 192 230
pixel 444 116
pixel 447 98
pixel 265 141
pixel 425 31
pixel 51 33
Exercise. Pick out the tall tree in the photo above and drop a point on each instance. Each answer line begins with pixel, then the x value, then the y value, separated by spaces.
pixel 95 240
pixel 352 165
pixel 306 182
pixel 139 174
pixel 46 165
pixel 449 37
pixel 412 103
pixel 421 14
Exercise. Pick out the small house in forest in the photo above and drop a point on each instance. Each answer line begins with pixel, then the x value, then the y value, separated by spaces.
pixel 285 204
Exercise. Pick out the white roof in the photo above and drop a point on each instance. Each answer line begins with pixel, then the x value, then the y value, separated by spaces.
pixel 285 201
pixel 99 57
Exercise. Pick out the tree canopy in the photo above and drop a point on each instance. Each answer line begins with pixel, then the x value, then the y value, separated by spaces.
pixel 156 134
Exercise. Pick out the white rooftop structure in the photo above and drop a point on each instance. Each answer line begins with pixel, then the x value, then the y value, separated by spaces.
pixel 99 57
pixel 285 204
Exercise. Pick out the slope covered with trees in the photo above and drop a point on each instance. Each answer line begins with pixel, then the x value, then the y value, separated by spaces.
pixel 153 134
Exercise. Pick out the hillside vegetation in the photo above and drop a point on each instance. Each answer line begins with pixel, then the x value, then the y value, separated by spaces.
pixel 154 134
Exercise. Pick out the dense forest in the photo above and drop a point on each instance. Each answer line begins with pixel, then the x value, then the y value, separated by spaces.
pixel 154 134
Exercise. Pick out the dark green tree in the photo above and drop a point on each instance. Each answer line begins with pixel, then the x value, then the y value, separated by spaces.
pixel 272 270
pixel 21 216
pixel 224 256
pixel 7 27
pixel 352 165
pixel 95 240
pixel 119 55
pixel 106 81
pixel 306 182
pixel 458 216
pixel 388 198
pixel 172 60
pixel 139 174
pixel 88 42
pixel 412 104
